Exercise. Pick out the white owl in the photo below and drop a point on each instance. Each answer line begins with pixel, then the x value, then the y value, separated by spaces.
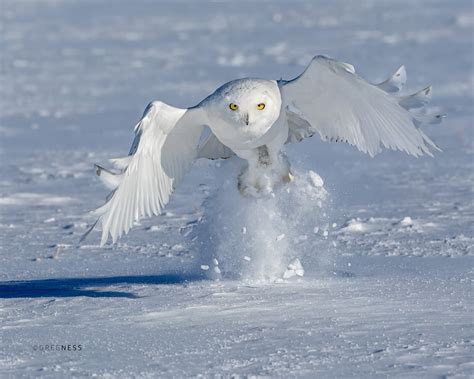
pixel 254 118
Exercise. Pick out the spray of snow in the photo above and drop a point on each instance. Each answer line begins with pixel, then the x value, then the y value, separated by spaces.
pixel 264 238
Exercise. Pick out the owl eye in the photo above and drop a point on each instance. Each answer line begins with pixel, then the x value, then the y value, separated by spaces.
pixel 233 106
pixel 261 106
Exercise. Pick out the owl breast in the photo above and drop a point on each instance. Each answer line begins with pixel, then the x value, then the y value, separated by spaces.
pixel 250 136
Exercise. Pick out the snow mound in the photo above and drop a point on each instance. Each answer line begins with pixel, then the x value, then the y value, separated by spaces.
pixel 255 238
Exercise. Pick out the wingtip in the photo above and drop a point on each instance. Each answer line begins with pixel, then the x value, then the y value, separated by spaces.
pixel 84 236
pixel 98 169
pixel 321 56
pixel 401 71
pixel 104 238
pixel 395 82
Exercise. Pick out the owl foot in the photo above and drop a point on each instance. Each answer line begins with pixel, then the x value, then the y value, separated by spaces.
pixel 248 191
pixel 247 186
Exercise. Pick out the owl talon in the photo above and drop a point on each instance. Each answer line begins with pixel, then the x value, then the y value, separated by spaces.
pixel 246 187
pixel 287 178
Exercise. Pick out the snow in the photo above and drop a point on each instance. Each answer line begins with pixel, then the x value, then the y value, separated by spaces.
pixel 29 199
pixel 385 245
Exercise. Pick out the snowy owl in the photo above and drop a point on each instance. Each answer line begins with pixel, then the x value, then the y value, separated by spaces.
pixel 254 119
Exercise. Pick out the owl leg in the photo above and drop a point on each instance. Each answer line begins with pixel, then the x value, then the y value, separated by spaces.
pixel 248 180
pixel 279 162
pixel 286 175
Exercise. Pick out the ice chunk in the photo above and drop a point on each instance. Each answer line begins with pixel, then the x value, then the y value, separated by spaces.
pixel 315 179
pixel 355 226
pixel 407 221
pixel 280 237
pixel 295 268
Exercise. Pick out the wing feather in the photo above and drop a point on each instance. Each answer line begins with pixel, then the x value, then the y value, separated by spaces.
pixel 332 100
pixel 211 148
pixel 165 145
pixel 396 82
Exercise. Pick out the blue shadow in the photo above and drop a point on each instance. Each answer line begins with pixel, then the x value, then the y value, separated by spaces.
pixel 74 287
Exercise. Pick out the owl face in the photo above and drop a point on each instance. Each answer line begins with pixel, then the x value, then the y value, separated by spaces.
pixel 244 110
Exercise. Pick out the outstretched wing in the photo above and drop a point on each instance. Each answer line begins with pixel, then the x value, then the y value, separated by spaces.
pixel 329 98
pixel 165 145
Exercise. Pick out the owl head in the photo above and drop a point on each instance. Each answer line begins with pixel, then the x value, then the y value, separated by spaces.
pixel 244 109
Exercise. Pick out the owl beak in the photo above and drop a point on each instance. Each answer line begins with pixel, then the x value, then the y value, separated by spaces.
pixel 246 119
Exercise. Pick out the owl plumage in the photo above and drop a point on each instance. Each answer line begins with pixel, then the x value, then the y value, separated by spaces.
pixel 254 119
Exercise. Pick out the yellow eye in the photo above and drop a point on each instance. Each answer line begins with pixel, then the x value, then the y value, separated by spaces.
pixel 233 106
pixel 261 106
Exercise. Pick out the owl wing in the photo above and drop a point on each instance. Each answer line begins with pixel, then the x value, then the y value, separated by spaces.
pixel 211 148
pixel 330 99
pixel 165 145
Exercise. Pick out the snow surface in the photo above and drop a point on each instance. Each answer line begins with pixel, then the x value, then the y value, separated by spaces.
pixel 385 244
